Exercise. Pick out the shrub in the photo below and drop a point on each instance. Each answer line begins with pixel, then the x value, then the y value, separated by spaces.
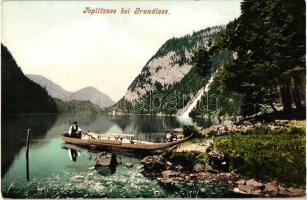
pixel 267 155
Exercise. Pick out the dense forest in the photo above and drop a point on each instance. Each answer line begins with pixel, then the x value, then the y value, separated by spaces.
pixel 268 71
pixel 18 93
pixel 76 106
pixel 260 57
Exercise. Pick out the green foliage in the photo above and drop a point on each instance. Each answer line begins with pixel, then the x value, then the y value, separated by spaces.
pixel 187 159
pixel 268 155
pixel 180 46
pixel 218 102
pixel 269 39
pixel 75 107
pixel 21 95
pixel 176 96
pixel 18 93
pixel 173 97
pixel 187 42
pixel 165 100
pixel 190 129
pixel 202 61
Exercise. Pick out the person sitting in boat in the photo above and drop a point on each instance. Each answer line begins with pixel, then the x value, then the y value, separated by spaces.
pixel 169 137
pixel 75 130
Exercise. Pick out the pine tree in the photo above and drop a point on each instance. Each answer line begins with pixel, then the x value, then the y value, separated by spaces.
pixel 269 40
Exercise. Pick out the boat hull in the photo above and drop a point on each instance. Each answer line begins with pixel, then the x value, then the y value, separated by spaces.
pixel 95 143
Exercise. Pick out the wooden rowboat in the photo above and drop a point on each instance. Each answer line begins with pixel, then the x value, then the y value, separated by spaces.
pixel 126 144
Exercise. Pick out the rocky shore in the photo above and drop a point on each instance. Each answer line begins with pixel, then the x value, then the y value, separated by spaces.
pixel 218 130
pixel 216 169
pixel 158 167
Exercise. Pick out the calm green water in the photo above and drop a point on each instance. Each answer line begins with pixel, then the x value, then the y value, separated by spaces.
pixel 53 174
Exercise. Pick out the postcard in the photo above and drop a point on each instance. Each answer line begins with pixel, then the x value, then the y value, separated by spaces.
pixel 153 99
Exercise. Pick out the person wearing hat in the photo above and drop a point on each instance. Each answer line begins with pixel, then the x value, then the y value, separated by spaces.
pixel 75 130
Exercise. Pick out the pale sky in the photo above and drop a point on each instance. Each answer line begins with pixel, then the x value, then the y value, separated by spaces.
pixel 75 50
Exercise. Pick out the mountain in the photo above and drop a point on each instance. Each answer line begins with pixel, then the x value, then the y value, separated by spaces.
pixel 53 89
pixel 85 94
pixel 93 95
pixel 18 93
pixel 75 106
pixel 169 79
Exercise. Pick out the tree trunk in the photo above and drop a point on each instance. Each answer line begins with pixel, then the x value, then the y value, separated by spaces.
pixel 296 93
pixel 286 96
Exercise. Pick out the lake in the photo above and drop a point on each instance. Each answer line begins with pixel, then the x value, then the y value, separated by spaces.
pixel 54 173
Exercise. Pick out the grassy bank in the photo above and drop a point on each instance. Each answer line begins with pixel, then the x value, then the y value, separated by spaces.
pixel 190 158
pixel 267 154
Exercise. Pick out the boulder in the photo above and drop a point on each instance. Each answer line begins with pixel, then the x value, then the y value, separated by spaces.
pixel 154 163
pixel 241 182
pixel 128 164
pixel 166 180
pixel 169 173
pixel 209 168
pixel 295 192
pixel 283 192
pixel 254 183
pixel 237 190
pixel 251 187
pixel 204 168
pixel 291 192
pixel 257 192
pixel 271 188
pixel 218 160
pixel 199 167
pixel 247 188
pixel 178 167
pixel 106 163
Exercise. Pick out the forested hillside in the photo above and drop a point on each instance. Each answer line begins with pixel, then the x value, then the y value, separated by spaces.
pixel 169 79
pixel 21 95
pixel 268 72
pixel 18 93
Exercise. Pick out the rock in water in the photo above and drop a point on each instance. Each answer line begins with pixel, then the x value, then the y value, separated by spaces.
pixel 154 163
pixel 128 164
pixel 106 163
pixel 169 173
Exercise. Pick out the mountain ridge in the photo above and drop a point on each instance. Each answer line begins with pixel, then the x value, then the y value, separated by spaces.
pixel 88 93
pixel 54 89
pixel 19 94
pixel 170 79
pixel 171 63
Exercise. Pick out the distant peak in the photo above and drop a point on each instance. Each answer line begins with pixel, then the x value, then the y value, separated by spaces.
pixel 90 88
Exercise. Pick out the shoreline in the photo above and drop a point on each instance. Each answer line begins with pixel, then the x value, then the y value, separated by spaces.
pixel 213 166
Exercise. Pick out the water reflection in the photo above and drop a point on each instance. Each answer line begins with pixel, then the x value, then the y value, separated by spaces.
pixel 73 154
pixel 106 161
pixel 14 133
pixel 46 127
pixel 60 170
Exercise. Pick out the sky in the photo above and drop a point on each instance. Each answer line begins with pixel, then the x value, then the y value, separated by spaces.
pixel 107 51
